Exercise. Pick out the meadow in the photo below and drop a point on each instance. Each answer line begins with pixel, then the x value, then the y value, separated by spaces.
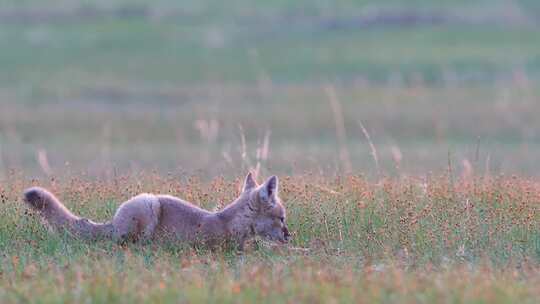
pixel 410 240
pixel 404 133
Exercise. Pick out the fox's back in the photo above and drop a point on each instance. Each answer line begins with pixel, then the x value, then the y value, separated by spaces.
pixel 181 219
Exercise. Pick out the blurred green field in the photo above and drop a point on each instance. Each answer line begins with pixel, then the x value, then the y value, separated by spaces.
pixel 176 86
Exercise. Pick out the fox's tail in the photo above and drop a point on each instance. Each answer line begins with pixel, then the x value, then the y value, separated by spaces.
pixel 59 217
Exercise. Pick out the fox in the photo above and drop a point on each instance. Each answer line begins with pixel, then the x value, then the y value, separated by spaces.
pixel 257 211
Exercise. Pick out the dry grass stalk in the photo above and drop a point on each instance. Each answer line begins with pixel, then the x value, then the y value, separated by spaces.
pixel 43 161
pixel 372 148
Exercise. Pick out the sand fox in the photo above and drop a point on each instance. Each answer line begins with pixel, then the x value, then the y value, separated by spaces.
pixel 257 211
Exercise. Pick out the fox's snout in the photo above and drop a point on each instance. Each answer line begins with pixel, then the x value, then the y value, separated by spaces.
pixel 286 234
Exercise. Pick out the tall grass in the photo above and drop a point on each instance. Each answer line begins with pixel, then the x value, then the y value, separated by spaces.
pixel 411 240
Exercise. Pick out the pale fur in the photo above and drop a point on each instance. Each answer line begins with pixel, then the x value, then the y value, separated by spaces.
pixel 257 211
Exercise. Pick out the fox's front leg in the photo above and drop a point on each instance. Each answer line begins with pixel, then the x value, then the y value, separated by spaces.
pixel 240 245
pixel 148 231
pixel 124 228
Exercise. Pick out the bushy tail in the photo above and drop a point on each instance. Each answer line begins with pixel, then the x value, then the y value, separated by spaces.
pixel 59 217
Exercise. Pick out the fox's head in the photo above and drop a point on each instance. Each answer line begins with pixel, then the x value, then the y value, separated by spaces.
pixel 267 212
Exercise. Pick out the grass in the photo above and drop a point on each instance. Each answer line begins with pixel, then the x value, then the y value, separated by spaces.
pixel 194 94
pixel 492 127
pixel 173 52
pixel 398 240
pixel 73 46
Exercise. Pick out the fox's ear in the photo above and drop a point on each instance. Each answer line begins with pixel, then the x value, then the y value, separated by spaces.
pixel 249 182
pixel 269 189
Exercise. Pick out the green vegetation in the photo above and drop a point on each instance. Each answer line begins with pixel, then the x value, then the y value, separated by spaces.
pixel 195 93
pixel 471 240
pixel 174 86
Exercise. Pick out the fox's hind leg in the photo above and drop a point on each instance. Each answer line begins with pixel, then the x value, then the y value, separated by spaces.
pixel 151 220
pixel 124 228
pixel 137 218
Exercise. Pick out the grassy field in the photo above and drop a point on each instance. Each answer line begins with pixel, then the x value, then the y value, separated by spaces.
pixel 436 240
pixel 405 134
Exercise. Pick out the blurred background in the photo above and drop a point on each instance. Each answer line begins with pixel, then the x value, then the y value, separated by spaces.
pixel 393 87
